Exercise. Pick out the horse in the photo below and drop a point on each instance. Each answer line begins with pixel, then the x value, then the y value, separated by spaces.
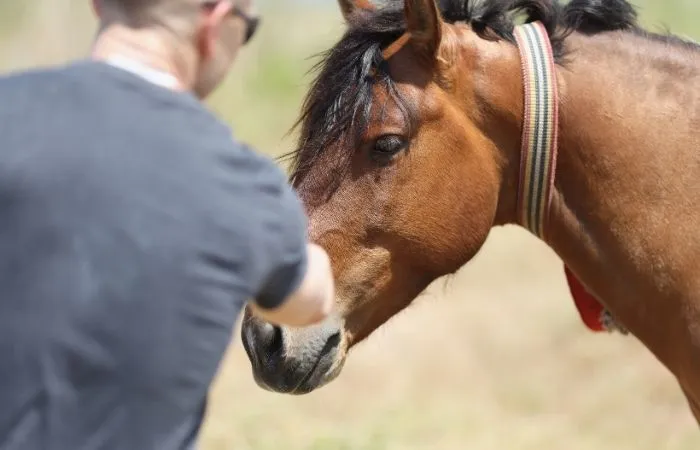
pixel 423 130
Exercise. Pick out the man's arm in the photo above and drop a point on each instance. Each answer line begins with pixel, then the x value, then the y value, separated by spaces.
pixel 312 301
pixel 293 282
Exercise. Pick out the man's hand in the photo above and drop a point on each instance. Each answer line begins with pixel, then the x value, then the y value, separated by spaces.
pixel 313 301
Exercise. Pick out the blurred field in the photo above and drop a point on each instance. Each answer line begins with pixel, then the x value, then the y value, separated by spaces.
pixel 494 358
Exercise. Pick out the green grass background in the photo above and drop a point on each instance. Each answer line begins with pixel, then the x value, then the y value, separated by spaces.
pixel 498 359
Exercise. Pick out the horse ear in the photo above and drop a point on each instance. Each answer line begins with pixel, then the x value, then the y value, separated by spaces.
pixel 424 25
pixel 349 7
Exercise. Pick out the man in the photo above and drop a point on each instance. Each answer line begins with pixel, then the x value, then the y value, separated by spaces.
pixel 133 230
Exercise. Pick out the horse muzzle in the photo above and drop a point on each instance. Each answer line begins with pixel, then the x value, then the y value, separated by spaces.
pixel 293 360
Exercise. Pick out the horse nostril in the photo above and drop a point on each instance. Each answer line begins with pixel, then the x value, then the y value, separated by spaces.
pixel 275 343
pixel 269 338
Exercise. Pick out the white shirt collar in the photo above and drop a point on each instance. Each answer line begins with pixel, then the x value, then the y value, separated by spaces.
pixel 149 74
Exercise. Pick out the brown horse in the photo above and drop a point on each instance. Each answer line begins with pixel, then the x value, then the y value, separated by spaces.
pixel 410 152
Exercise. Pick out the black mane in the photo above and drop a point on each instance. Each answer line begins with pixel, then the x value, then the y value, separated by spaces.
pixel 341 94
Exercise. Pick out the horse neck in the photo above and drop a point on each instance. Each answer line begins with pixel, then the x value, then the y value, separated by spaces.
pixel 625 206
pixel 627 140
pixel 620 94
pixel 628 126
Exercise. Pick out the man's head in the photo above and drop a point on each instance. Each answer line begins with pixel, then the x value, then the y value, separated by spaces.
pixel 198 40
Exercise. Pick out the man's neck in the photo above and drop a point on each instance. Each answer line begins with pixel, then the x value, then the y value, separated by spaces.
pixel 146 53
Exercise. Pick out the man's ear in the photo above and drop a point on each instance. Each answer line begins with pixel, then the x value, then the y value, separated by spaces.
pixel 97 8
pixel 210 23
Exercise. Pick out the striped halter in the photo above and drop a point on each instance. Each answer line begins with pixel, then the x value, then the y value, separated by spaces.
pixel 539 158
pixel 540 127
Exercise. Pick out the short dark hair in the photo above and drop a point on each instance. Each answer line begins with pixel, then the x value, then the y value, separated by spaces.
pixel 131 5
pixel 148 12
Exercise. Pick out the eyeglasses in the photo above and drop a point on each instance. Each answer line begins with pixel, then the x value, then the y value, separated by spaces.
pixel 251 23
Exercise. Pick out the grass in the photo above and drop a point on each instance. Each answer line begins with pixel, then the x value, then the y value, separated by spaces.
pixel 498 359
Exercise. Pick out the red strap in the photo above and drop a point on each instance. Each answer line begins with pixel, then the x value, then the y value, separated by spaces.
pixel 588 306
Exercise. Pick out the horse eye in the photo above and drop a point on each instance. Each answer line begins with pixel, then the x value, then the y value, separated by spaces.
pixel 387 146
